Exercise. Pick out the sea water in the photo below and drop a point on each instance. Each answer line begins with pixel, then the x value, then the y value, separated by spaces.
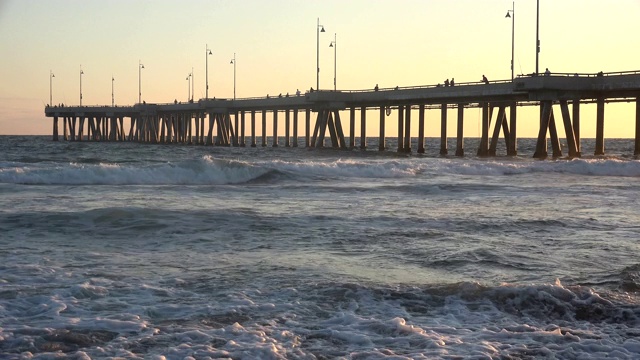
pixel 126 250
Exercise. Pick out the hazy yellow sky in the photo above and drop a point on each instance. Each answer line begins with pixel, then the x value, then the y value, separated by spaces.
pixel 385 42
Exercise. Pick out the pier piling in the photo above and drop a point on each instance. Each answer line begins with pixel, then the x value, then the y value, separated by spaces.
pixel 443 130
pixel 600 127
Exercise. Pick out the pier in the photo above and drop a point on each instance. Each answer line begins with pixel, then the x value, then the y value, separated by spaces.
pixel 227 122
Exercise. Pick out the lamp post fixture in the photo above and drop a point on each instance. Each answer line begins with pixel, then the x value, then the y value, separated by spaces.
pixel 51 76
pixel 233 61
pixel 140 67
pixel 112 98
pixel 206 56
pixel 334 45
pixel 192 82
pixel 319 29
pixel 81 73
pixel 512 14
pixel 188 87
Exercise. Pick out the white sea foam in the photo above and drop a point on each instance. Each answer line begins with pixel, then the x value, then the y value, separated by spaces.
pixel 211 171
pixel 204 171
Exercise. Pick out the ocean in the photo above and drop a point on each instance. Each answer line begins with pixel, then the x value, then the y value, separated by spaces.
pixel 139 251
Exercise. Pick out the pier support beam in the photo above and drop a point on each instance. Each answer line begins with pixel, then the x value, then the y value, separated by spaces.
pixel 55 128
pixel 460 137
pixel 295 127
pixel 483 150
pixel 553 134
pixel 600 127
pixel 339 132
pixel 264 128
pixel 287 132
pixel 307 128
pixel 568 129
pixel 363 127
pixel 576 124
pixel 407 129
pixel 320 128
pixel 352 127
pixel 242 127
pixel 275 128
pixel 545 116
pixel 66 130
pixel 512 150
pixel 421 129
pixel 637 147
pixel 210 133
pixel 253 128
pixel 381 141
pixel 443 130
pixel 501 124
pixel 400 128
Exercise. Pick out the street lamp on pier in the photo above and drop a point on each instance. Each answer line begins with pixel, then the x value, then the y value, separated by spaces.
pixel 188 87
pixel 140 67
pixel 207 53
pixel 319 29
pixel 334 45
pixel 112 97
pixel 537 33
pixel 192 82
pixel 81 73
pixel 233 61
pixel 512 14
pixel 51 76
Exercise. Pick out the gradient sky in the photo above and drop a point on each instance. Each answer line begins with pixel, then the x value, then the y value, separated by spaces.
pixel 385 42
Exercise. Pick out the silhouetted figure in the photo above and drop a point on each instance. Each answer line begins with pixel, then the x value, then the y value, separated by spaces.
pixel 547 72
pixel 396 88
pixel 280 95
pixel 376 88
pixel 311 90
pixel 485 80
pixel 446 82
pixel 600 73
pixel 452 82
pixel 297 92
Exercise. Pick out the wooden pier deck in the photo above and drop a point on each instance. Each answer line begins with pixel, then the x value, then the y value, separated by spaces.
pixel 233 120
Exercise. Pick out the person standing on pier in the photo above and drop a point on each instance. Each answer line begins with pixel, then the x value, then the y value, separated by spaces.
pixel 452 82
pixel 446 82
pixel 485 80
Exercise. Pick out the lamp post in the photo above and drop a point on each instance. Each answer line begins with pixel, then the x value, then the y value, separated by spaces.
pixel 537 33
pixel 206 56
pixel 112 98
pixel 192 82
pixel 188 87
pixel 233 61
pixel 512 14
pixel 81 73
pixel 51 76
pixel 319 29
pixel 334 45
pixel 140 67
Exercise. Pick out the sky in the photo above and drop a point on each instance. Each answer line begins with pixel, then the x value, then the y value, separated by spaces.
pixel 386 42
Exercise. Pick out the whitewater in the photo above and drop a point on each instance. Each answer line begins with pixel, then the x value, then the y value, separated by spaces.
pixel 138 251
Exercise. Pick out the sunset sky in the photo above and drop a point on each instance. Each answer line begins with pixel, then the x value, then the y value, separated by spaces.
pixel 385 42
